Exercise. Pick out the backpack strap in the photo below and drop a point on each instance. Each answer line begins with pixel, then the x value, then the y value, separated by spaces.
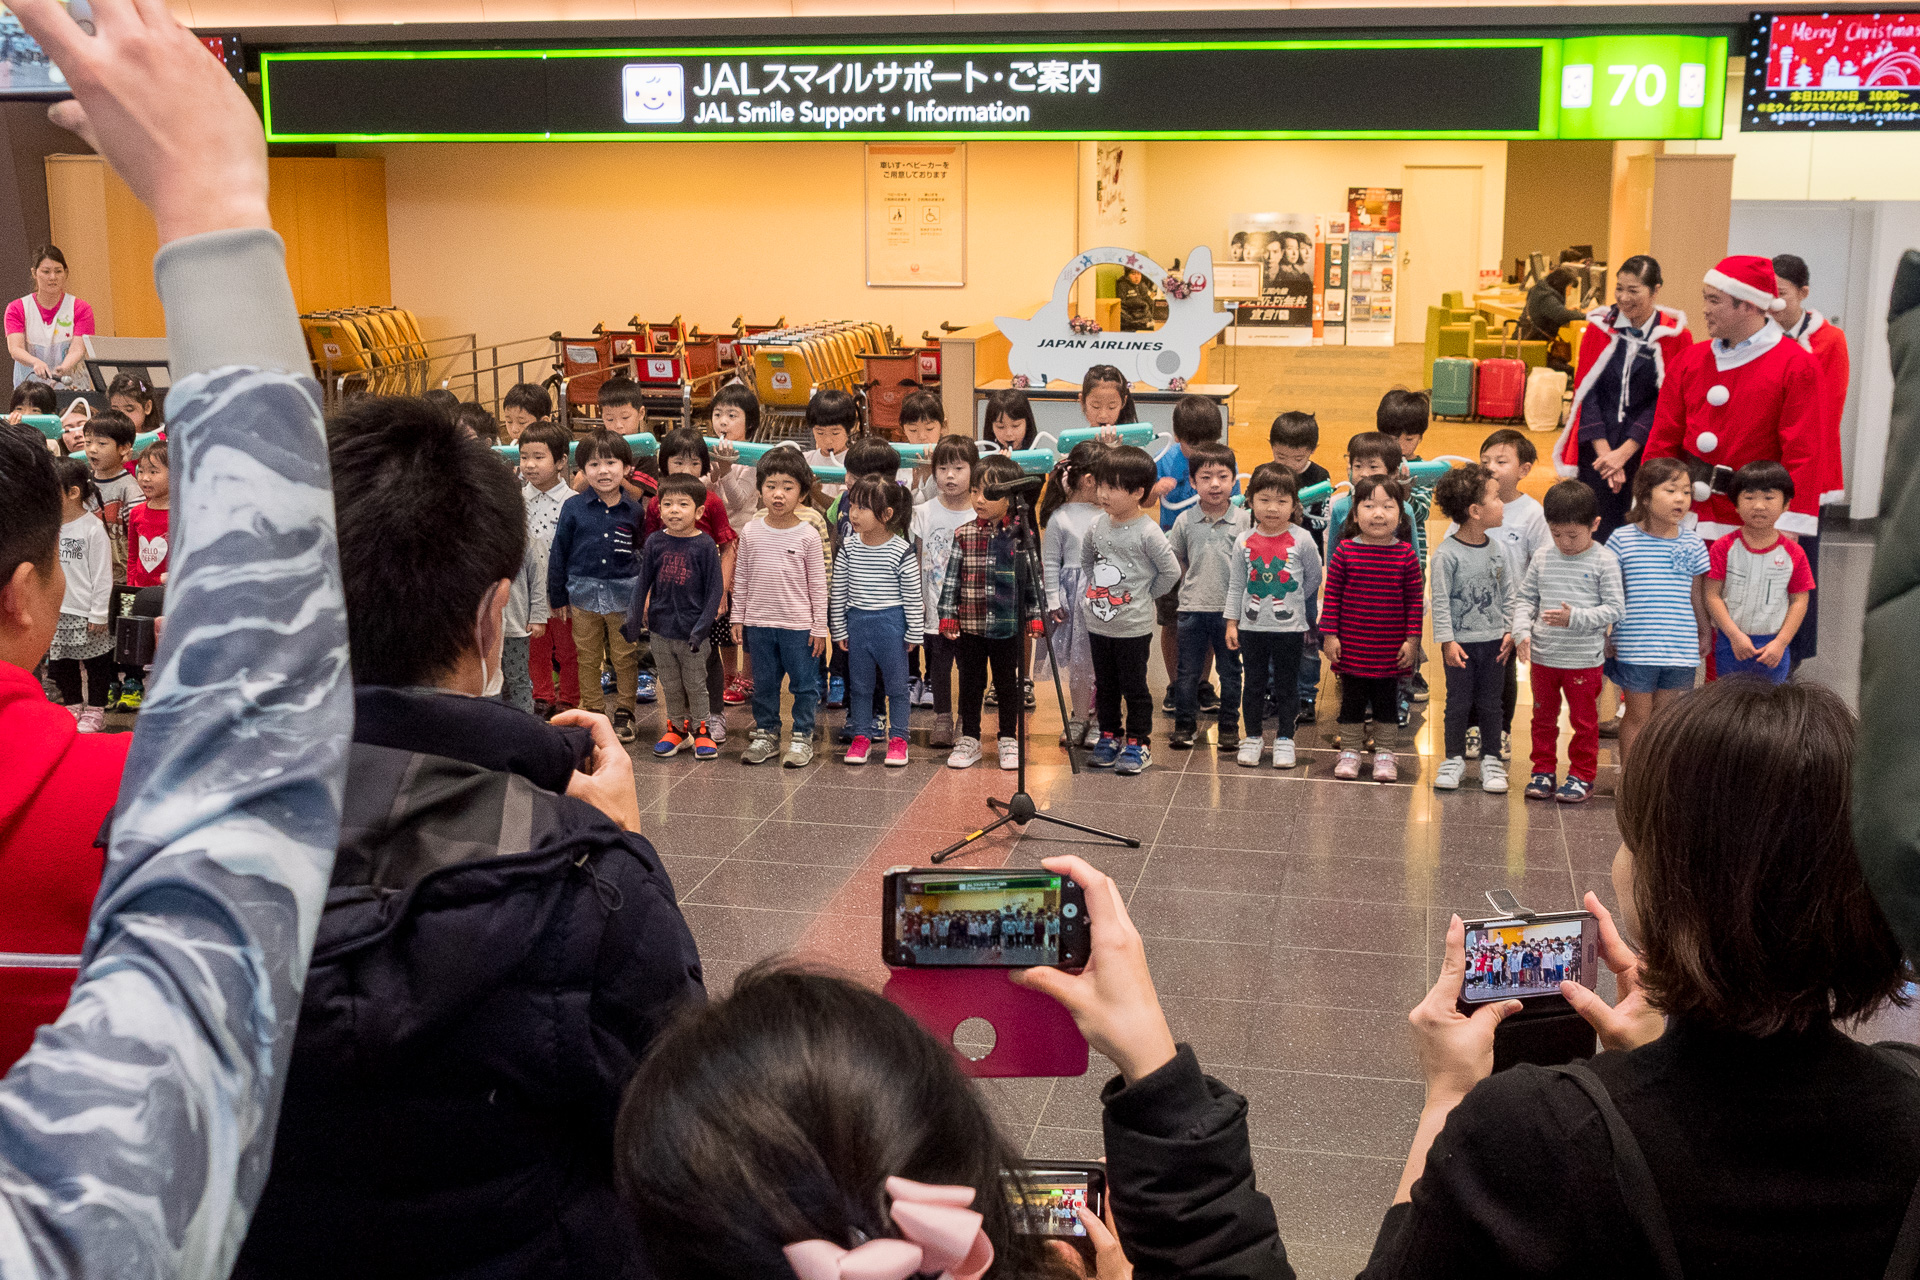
pixel 1636 1179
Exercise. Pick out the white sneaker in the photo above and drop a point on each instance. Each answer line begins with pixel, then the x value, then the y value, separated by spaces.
pixel 1248 757
pixel 966 754
pixel 1076 730
pixel 717 729
pixel 1093 734
pixel 1493 775
pixel 1009 753
pixel 1452 769
pixel 1283 753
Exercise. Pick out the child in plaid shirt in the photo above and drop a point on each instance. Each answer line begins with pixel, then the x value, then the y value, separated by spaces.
pixel 980 616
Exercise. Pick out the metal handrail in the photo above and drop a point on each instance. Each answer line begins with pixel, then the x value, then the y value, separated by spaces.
pixel 459 363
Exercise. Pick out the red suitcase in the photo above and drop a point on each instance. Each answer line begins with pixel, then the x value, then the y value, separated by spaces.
pixel 1503 391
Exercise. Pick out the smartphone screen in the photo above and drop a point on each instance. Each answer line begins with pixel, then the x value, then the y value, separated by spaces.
pixel 25 71
pixel 983 919
pixel 1517 958
pixel 1045 1197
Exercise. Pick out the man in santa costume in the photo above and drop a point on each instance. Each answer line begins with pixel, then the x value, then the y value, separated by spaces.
pixel 1748 395
pixel 1828 346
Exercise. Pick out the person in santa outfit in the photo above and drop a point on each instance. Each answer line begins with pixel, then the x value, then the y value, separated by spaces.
pixel 1748 395
pixel 1625 352
pixel 1828 345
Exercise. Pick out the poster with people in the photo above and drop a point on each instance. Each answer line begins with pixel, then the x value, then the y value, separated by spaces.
pixel 1282 245
pixel 1373 253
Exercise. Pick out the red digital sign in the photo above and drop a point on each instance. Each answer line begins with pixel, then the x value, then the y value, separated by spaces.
pixel 1844 51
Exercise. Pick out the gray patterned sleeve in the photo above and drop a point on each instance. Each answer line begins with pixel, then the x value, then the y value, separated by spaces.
pixel 135 1135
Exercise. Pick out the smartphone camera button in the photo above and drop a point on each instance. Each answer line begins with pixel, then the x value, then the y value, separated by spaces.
pixel 1070 910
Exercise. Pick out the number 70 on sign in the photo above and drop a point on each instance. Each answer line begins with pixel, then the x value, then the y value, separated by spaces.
pixel 1647 82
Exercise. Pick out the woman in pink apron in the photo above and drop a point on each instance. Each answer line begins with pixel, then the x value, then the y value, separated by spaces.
pixel 45 328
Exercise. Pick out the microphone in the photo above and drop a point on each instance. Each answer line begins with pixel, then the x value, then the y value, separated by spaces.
pixel 1024 487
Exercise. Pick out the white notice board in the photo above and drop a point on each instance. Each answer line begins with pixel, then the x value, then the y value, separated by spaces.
pixel 916 211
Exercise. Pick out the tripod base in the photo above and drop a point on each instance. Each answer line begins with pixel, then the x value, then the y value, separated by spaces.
pixel 1021 810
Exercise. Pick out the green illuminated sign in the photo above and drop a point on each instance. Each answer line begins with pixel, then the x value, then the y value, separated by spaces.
pixel 1642 86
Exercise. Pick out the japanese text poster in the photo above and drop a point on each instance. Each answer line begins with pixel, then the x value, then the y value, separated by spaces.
pixel 916 215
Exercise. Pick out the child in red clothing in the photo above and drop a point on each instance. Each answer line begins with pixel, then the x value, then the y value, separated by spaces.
pixel 1370 615
pixel 147 521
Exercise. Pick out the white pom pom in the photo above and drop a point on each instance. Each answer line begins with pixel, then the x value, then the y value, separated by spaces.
pixel 1702 491
pixel 1717 395
pixel 1706 442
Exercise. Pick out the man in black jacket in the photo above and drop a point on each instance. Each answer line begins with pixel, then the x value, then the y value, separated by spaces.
pixel 499 946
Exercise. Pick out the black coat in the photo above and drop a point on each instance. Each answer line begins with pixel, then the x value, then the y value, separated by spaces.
pixel 493 961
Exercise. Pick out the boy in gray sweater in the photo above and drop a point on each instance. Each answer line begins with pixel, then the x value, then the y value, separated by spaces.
pixel 1128 565
pixel 1571 595
pixel 1473 599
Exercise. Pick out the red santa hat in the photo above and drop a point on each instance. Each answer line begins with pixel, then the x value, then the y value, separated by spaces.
pixel 1749 278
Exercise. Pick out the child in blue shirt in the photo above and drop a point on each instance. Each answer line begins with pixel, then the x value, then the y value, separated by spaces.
pixel 591 571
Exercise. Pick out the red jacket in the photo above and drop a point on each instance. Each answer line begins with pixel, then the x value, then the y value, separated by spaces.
pixel 56 791
pixel 1828 345
pixel 1670 340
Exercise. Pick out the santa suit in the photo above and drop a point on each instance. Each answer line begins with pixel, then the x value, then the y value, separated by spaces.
pixel 1828 346
pixel 1773 407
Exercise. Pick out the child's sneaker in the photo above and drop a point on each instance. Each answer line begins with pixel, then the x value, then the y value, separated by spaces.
pixel 992 696
pixel 923 696
pixel 1348 766
pixel 717 729
pixel 1093 734
pixel 1420 691
pixel 623 725
pixel 738 690
pixel 1282 753
pixel 671 741
pixel 1385 767
pixel 965 754
pixel 93 720
pixel 799 753
pixel 1406 712
pixel 1009 753
pixel 131 694
pixel 1574 791
pixel 1133 758
pixel 1506 745
pixel 644 687
pixel 942 735
pixel 1076 730
pixel 1166 702
pixel 1539 787
pixel 845 733
pixel 762 746
pixel 1451 771
pixel 1306 714
pixel 1105 752
pixel 1181 739
pixel 1493 777
pixel 1473 743
pixel 836 693
pixel 1208 699
pixel 705 746
pixel 896 753
pixel 862 748
pixel 1026 692
pixel 607 683
pixel 1248 756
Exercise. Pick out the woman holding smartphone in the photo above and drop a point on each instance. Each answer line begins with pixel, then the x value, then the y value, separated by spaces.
pixel 1731 1127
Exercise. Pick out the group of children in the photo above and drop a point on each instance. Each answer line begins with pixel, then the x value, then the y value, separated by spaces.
pixel 113 537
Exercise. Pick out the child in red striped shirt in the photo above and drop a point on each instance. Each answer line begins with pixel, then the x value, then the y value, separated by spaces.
pixel 1370 614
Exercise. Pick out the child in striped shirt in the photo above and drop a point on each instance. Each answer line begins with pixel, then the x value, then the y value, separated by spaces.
pixel 1659 644
pixel 876 612
pixel 1370 614
pixel 1572 593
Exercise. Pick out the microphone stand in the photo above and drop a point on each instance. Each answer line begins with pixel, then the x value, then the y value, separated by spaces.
pixel 1020 809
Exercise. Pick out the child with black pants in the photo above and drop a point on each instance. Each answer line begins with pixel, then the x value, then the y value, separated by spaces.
pixel 1472 618
pixel 1129 565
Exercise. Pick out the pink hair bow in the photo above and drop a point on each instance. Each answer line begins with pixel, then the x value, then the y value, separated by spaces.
pixel 941 1234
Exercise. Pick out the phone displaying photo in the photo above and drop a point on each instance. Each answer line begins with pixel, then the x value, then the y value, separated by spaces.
pixel 934 918
pixel 25 69
pixel 1527 959
pixel 1046 1195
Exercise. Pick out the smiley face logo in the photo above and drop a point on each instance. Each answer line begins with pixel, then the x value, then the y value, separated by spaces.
pixel 654 93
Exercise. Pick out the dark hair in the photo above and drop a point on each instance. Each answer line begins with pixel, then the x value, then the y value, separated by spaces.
pixel 155 453
pixel 1196 420
pixel 73 473
pixel 1653 473
pixel 530 398
pixel 1402 413
pixel 602 443
pixel 30 517
pixel 1571 502
pixel 620 392
pixel 1066 475
pixel 784 462
pixel 739 396
pixel 440 398
pixel 1126 467
pixel 1792 268
pixel 558 440
pixel 1106 373
pixel 1010 404
pixel 777 1114
pixel 474 418
pixel 45 253
pixel 1375 445
pixel 872 456
pixel 951 449
pixel 1460 489
pixel 415 566
pixel 1522 446
pixel 925 406
pixel 135 387
pixel 1766 474
pixel 1754 916
pixel 833 408
pixel 681 485
pixel 1272 475
pixel 114 425
pixel 36 396
pixel 1365 488
pixel 1294 430
pixel 883 497
pixel 995 468
pixel 1211 454
pixel 683 442
pixel 1643 268
pixel 1561 279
